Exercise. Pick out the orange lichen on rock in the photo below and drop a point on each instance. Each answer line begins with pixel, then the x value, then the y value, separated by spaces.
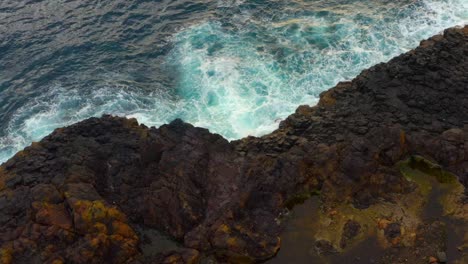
pixel 6 254
pixel 228 199
pixel 52 214
pixel 383 223
pixel 105 227
pixel 87 213
pixel 186 256
pixel 173 259
pixel 57 261
pixel 191 256
pixel 224 228
pixel 123 229
pixel 237 241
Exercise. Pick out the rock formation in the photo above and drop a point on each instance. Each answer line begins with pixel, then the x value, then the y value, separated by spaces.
pixel 108 190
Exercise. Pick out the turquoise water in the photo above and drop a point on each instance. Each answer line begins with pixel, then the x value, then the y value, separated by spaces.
pixel 235 67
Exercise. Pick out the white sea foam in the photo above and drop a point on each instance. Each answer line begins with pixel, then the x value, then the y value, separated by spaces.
pixel 241 81
pixel 299 58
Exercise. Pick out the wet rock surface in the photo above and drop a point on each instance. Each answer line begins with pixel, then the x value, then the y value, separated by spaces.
pixel 350 230
pixel 96 191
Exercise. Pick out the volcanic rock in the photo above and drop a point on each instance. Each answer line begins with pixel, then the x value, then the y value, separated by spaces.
pixel 88 193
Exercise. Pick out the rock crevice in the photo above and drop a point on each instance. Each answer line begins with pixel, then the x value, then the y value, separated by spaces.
pixel 97 191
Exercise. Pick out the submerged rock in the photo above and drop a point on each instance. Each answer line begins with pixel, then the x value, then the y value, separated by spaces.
pixel 91 192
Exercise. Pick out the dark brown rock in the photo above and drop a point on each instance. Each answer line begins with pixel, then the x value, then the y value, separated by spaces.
pixel 85 193
pixel 350 230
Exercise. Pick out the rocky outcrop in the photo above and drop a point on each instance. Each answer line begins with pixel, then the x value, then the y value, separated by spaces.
pixel 110 190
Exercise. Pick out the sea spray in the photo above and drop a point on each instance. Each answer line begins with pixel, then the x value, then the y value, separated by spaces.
pixel 237 73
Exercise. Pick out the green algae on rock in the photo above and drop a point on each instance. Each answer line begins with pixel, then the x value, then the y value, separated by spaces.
pixel 87 192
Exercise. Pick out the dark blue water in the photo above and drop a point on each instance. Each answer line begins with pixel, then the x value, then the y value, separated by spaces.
pixel 235 67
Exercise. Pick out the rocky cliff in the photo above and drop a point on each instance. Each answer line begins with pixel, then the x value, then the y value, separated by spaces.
pixel 386 155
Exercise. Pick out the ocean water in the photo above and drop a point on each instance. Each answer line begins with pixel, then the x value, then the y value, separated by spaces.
pixel 236 67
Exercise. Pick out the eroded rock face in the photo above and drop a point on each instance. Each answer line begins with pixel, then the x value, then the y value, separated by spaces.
pixel 94 191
